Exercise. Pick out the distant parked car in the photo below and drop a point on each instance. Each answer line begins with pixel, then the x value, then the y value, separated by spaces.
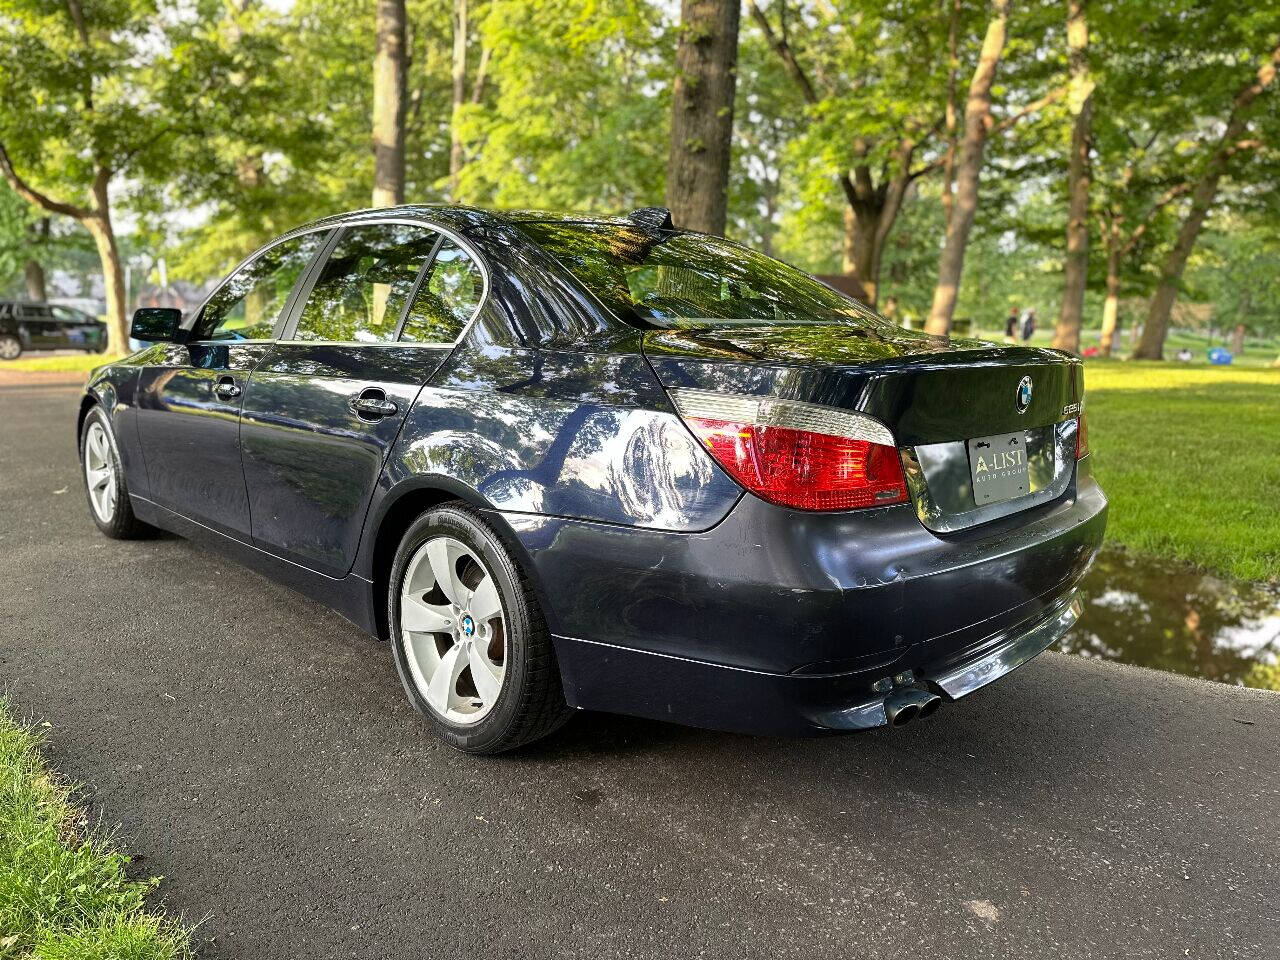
pixel 29 325
pixel 602 463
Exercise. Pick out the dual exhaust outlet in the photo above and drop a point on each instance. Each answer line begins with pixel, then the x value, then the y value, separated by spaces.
pixel 907 704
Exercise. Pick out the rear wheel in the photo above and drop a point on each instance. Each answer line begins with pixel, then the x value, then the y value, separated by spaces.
pixel 471 645
pixel 10 347
pixel 104 480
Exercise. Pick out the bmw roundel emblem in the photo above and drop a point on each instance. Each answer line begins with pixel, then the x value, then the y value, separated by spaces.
pixel 1023 396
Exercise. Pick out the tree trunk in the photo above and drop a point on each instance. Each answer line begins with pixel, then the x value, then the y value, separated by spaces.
pixel 1067 335
pixel 1237 340
pixel 863 249
pixel 1111 308
pixel 99 226
pixel 388 104
pixel 949 160
pixel 702 114
pixel 460 28
pixel 1160 310
pixel 977 114
pixel 33 273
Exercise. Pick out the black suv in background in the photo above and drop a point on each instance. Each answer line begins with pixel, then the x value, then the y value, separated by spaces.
pixel 28 325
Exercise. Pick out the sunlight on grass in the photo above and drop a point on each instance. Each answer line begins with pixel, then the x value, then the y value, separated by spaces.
pixel 1190 457
pixel 64 892
pixel 57 363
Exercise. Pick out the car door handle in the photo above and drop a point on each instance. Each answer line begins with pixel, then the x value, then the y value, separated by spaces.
pixel 372 405
pixel 227 389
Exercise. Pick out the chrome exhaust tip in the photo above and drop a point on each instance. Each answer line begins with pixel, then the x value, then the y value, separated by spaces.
pixel 903 706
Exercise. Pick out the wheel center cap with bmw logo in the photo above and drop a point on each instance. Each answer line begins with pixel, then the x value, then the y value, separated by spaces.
pixel 1023 395
pixel 468 626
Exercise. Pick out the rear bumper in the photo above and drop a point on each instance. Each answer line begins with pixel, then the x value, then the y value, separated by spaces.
pixel 776 621
pixel 749 701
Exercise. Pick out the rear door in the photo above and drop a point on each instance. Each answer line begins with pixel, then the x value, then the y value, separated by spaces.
pixel 326 404
pixel 189 394
pixel 43 332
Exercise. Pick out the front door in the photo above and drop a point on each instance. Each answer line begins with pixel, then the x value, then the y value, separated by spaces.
pixel 325 406
pixel 190 394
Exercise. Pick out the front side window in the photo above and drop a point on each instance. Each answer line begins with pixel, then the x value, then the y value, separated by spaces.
pixel 362 290
pixel 248 305
pixel 446 299
pixel 689 279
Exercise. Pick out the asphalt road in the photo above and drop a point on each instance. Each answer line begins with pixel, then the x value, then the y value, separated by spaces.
pixel 258 754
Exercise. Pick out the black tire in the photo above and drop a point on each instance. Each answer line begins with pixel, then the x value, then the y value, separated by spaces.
pixel 10 347
pixel 122 525
pixel 530 704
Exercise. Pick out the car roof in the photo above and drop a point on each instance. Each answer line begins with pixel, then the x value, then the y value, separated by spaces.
pixel 461 216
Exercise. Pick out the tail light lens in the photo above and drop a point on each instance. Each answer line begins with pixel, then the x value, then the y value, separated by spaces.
pixel 801 455
pixel 1082 438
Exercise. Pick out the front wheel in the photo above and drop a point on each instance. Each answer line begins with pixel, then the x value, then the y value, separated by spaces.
pixel 104 480
pixel 471 645
pixel 10 347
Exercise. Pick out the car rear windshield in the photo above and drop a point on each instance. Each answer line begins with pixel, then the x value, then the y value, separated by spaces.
pixel 690 280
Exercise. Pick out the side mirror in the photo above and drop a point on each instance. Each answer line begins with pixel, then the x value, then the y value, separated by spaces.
pixel 156 324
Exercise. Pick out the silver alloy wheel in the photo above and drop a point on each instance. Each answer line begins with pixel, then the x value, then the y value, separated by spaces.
pixel 454 630
pixel 9 348
pixel 100 472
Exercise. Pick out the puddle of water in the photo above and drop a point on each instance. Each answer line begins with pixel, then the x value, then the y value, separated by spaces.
pixel 1176 618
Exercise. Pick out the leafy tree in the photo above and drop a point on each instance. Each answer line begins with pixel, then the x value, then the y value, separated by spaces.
pixel 549 132
pixel 288 140
pixel 872 78
pixel 1203 193
pixel 968 170
pixel 1237 269
pixel 768 116
pixel 90 95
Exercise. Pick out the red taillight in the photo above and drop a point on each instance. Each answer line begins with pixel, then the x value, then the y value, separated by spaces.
pixel 1082 438
pixel 797 454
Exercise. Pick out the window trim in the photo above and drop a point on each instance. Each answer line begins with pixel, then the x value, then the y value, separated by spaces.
pixel 423 273
pixel 287 333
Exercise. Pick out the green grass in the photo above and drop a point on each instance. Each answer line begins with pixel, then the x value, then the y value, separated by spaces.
pixel 64 892
pixel 1190 456
pixel 1258 351
pixel 56 362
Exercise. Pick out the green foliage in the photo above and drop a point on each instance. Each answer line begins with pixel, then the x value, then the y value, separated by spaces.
pixel 64 890
pixel 577 114
pixel 16 218
pixel 229 123
pixel 1238 271
pixel 71 105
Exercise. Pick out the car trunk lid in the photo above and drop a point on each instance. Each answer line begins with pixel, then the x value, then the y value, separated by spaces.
pixel 933 393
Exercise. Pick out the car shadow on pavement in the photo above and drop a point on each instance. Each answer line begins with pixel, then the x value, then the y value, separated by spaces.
pixel 1047 738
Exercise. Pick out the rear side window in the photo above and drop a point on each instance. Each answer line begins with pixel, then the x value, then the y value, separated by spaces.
pixel 448 297
pixel 369 277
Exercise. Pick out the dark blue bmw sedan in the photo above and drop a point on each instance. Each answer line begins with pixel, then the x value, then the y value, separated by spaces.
pixel 588 463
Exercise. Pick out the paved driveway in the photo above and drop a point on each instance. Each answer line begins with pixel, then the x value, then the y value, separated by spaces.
pixel 259 755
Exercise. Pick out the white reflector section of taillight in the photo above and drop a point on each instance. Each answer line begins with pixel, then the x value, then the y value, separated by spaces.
pixel 798 454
